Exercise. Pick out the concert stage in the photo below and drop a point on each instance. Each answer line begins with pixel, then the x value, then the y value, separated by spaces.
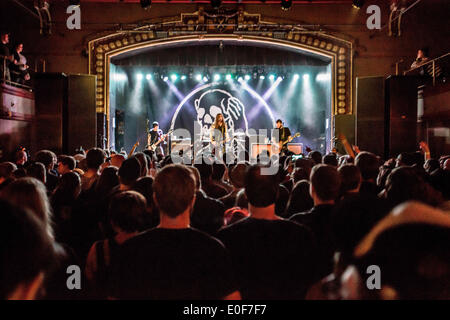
pixel 251 84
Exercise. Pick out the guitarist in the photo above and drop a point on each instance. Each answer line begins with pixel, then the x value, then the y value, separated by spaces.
pixel 284 135
pixel 218 133
pixel 155 135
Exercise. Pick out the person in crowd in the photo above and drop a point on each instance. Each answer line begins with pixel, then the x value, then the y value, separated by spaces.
pixel 404 184
pixel 273 258
pixel 211 188
pixel 142 158
pixel 64 205
pixel 27 253
pixel 299 200
pixel 19 65
pixel 94 159
pixel 410 246
pixel 6 173
pixel 315 156
pixel 368 164
pixel 207 214
pixel 48 159
pixel 129 172
pixel 237 176
pixel 37 170
pixel 173 261
pixel 324 190
pixel 31 194
pixel 20 158
pixel 144 185
pixel 330 159
pixel 5 56
pixel 117 160
pixel 350 180
pixel 66 164
pixel 126 216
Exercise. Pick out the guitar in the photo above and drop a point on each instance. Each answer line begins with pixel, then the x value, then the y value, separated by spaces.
pixel 281 144
pixel 154 145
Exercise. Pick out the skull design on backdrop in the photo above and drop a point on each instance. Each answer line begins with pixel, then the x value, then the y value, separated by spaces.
pixel 215 101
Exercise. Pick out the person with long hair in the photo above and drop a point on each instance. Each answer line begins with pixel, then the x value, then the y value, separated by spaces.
pixel 218 132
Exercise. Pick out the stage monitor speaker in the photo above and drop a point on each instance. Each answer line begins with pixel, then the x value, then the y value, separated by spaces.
pixel 65 112
pixel 370 114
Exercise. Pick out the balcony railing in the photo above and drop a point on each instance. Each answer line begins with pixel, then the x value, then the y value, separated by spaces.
pixel 4 78
pixel 437 69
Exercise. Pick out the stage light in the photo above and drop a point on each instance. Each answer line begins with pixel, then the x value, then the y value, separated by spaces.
pixel 216 77
pixel 286 4
pixel 148 76
pixel 262 77
pixel 146 4
pixel 183 77
pixel 323 77
pixel 240 79
pixel 205 79
pixel 272 77
pixel 306 77
pixel 198 77
pixel 174 77
pixel 228 77
pixel 358 4
pixel 247 77
pixel 120 76
pixel 279 78
pixel 166 78
pixel 140 76
pixel 296 76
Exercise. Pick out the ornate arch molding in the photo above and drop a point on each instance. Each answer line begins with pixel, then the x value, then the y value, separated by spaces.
pixel 234 24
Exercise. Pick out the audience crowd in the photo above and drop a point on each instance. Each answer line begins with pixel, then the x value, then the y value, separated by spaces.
pixel 140 227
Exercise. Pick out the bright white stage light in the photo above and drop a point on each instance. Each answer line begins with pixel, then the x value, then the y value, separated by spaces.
pixel 166 78
pixel 228 77
pixel 148 76
pixel 205 79
pixel 183 77
pixel 323 77
pixel 272 77
pixel 198 77
pixel 296 76
pixel 306 77
pixel 173 77
pixel 240 79
pixel 262 77
pixel 140 76
pixel 247 77
pixel 216 77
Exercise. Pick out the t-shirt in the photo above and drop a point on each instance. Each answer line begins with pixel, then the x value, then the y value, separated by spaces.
pixel 155 136
pixel 284 133
pixel 272 259
pixel 166 264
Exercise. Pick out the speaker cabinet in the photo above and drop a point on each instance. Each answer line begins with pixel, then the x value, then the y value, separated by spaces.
pixel 401 115
pixel 370 114
pixel 65 112
pixel 386 115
